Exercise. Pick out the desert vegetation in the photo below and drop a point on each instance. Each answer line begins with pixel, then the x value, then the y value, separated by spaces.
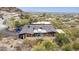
pixel 69 41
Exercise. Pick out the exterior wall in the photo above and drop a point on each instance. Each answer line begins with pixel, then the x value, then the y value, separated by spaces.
pixel 21 36
pixel 50 34
pixel 28 35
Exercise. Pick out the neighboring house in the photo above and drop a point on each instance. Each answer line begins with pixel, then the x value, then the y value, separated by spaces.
pixel 37 29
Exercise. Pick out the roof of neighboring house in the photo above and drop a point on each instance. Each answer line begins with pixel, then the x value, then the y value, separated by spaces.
pixel 37 28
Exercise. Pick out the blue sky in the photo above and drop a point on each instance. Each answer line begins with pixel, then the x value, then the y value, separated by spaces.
pixel 51 9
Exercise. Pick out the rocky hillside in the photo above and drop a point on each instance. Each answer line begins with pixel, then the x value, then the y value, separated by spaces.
pixel 10 9
pixel 9 12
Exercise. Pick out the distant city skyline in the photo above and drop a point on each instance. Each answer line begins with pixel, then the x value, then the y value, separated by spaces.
pixel 51 9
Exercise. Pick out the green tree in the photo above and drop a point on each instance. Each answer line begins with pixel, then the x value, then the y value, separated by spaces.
pixel 21 22
pixel 17 23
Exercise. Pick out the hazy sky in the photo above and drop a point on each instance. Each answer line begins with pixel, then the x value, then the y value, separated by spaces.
pixel 51 9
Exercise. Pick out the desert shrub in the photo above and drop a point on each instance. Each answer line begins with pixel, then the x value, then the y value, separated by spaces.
pixel 76 46
pixel 67 47
pixel 71 33
pixel 77 33
pixel 58 24
pixel 62 39
pixel 29 42
pixel 21 22
pixel 13 23
pixel 46 45
pixel 39 40
pixel 1 36
pixel 17 23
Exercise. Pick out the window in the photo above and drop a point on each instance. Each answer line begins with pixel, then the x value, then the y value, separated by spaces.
pixel 33 28
pixel 40 27
pixel 28 26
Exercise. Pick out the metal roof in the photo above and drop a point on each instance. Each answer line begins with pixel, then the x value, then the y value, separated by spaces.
pixel 41 28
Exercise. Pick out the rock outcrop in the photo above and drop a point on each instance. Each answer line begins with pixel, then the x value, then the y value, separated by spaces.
pixel 9 12
pixel 10 9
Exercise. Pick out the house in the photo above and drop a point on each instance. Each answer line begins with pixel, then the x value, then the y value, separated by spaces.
pixel 37 29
